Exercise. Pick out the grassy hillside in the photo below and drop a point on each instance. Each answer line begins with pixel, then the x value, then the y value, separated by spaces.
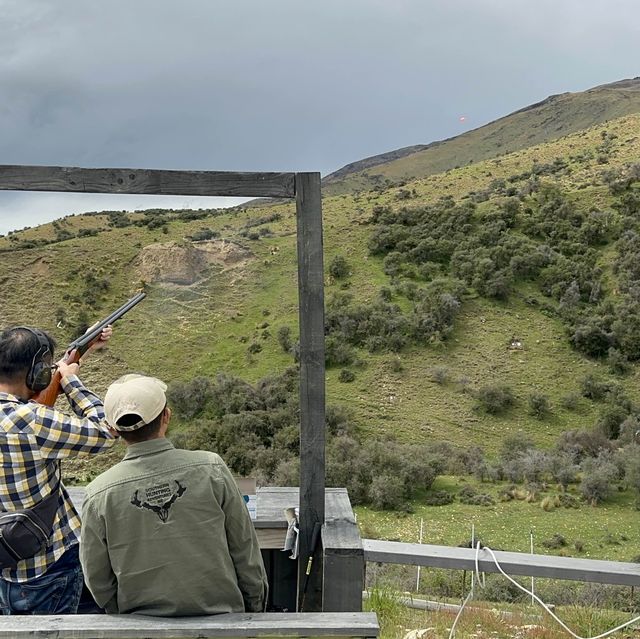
pixel 220 309
pixel 222 284
pixel 554 117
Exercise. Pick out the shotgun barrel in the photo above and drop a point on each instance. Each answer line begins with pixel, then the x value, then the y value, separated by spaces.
pixel 79 347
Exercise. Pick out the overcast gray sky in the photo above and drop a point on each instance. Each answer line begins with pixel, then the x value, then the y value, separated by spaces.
pixel 278 85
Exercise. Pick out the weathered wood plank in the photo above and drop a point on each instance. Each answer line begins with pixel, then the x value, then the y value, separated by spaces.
pixel 344 566
pixel 312 385
pixel 146 181
pixel 229 625
pixel 513 563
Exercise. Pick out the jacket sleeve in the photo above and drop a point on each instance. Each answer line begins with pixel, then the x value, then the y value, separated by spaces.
pixel 243 546
pixel 94 557
pixel 59 435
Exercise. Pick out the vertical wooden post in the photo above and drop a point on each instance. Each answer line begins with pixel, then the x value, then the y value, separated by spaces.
pixel 312 387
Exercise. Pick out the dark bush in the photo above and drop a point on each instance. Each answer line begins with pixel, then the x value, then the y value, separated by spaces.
pixel 495 399
pixel 337 352
pixel 284 338
pixel 598 476
pixel 188 399
pixel 610 421
pixel 580 444
pixel 387 492
pixel 254 347
pixel 539 405
pixel 346 375
pixel 555 542
pixel 338 267
pixel 438 498
pixel 204 234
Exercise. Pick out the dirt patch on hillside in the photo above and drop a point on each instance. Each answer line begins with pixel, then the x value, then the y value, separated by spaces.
pixel 40 267
pixel 186 263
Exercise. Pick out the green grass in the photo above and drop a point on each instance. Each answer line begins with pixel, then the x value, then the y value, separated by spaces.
pixel 608 531
pixel 482 619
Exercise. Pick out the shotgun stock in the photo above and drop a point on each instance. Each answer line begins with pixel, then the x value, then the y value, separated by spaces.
pixel 80 346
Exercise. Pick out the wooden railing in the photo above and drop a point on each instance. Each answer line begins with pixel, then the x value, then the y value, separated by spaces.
pixel 513 563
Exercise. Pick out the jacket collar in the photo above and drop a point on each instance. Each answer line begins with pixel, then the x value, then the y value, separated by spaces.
pixel 9 397
pixel 151 447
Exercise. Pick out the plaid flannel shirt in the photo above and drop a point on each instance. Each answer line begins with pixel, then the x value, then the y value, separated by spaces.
pixel 33 440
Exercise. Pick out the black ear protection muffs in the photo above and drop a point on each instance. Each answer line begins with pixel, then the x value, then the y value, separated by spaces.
pixel 39 374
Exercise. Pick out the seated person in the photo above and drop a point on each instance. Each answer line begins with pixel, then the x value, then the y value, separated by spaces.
pixel 166 531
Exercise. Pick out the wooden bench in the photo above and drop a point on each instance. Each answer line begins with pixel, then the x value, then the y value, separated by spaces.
pixel 268 624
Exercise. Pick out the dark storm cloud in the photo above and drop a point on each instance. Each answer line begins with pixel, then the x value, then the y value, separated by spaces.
pixel 282 84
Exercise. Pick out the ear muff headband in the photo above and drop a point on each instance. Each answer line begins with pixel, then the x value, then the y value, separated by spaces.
pixel 39 374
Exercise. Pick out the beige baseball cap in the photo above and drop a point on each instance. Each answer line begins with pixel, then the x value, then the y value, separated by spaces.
pixel 137 395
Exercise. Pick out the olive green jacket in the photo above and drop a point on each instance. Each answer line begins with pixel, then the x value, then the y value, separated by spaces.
pixel 166 532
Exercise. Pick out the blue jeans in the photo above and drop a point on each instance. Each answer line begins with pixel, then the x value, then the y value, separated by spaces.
pixel 56 592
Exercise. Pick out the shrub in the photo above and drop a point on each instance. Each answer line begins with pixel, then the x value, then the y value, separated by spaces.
pixel 395 363
pixel 549 503
pixel 598 476
pixel 539 405
pixel 555 542
pixel 469 495
pixel 439 374
pixel 533 465
pixel 567 501
pixel 204 234
pixel 254 347
pixel 346 375
pixel 338 267
pixel 338 352
pixel 284 338
pixel 595 389
pixel 570 401
pixel 610 421
pixel 580 444
pixel 438 498
pixel 618 362
pixel 188 399
pixel 88 232
pixel 387 492
pixel 496 588
pixel 495 399
pixel 563 469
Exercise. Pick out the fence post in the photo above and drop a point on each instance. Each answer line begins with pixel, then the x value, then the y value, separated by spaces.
pixel 312 383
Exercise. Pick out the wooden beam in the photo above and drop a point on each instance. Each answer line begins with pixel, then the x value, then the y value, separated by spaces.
pixel 343 557
pixel 513 563
pixel 145 181
pixel 312 388
pixel 343 563
pixel 270 624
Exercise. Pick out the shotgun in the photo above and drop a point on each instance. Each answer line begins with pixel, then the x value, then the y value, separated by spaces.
pixel 79 347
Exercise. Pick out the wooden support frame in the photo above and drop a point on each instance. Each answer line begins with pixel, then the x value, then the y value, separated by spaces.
pixel 305 187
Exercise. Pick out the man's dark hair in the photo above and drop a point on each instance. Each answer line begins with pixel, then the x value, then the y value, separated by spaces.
pixel 18 347
pixel 142 434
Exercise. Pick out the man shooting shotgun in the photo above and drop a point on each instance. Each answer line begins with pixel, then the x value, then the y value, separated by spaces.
pixel 39 526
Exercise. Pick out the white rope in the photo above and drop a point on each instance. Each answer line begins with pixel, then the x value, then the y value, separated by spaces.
pixel 528 592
